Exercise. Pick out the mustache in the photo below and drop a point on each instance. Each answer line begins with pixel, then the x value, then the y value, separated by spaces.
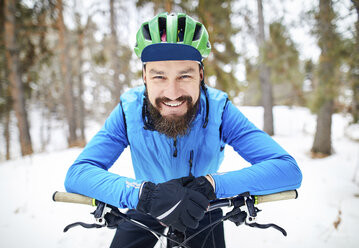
pixel 188 99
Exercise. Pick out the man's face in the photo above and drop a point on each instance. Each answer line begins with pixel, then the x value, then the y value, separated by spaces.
pixel 170 84
pixel 173 89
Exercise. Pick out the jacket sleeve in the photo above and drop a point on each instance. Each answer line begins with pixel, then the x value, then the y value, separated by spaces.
pixel 89 174
pixel 273 169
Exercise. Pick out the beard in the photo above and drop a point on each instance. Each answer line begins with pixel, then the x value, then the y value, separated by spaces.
pixel 173 125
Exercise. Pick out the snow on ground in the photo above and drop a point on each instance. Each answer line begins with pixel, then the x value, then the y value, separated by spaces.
pixel 328 194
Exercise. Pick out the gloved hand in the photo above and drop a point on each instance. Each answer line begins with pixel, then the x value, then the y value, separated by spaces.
pixel 173 204
pixel 202 185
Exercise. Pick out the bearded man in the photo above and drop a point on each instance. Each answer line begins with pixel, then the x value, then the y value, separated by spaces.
pixel 177 128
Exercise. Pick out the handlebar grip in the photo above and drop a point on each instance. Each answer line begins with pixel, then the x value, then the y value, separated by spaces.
pixel 73 198
pixel 285 195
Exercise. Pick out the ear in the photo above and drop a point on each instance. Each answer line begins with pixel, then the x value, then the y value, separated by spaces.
pixel 144 75
pixel 201 74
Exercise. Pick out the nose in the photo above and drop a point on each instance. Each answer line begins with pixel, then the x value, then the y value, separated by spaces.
pixel 173 90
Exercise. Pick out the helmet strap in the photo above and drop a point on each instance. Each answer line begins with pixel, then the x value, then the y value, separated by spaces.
pixel 201 66
pixel 143 69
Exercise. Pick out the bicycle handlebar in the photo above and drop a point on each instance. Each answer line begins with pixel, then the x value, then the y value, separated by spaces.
pixel 73 198
pixel 236 215
pixel 81 199
pixel 239 200
pixel 285 195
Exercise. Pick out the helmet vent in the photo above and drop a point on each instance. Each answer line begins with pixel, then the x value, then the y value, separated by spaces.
pixel 197 32
pixel 146 32
pixel 181 28
pixel 162 26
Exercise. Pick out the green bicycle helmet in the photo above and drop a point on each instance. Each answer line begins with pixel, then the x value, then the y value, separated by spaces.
pixel 172 37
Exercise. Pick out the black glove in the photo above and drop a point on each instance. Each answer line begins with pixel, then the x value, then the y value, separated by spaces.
pixel 202 185
pixel 172 204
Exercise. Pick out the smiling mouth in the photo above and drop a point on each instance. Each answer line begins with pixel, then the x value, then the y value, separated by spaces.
pixel 173 104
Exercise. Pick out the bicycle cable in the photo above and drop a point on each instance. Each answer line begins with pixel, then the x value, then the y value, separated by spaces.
pixel 218 221
pixel 136 223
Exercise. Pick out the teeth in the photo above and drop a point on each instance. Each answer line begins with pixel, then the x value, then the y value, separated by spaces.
pixel 173 104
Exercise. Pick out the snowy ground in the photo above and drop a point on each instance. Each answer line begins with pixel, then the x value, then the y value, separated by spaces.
pixel 328 194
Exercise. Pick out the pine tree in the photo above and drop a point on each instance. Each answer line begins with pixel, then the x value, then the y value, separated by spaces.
pixel 216 17
pixel 5 97
pixel 32 22
pixel 80 117
pixel 354 66
pixel 328 42
pixel 12 51
pixel 66 77
pixel 264 75
pixel 282 57
pixel 115 60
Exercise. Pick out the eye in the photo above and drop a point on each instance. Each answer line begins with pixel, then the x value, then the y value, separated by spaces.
pixel 158 77
pixel 185 76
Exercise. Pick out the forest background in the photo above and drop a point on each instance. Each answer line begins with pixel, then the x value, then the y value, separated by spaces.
pixel 64 65
pixel 71 60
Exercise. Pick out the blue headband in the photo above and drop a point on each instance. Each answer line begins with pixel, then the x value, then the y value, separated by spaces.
pixel 170 51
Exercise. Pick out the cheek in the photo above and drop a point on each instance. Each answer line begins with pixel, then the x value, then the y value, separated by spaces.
pixel 152 98
pixel 195 92
pixel 150 94
pixel 153 93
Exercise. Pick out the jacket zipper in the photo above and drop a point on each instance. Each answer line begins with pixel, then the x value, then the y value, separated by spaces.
pixel 175 147
pixel 190 162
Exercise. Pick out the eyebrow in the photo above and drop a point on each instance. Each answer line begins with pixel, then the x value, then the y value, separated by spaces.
pixel 153 71
pixel 185 71
pixel 189 70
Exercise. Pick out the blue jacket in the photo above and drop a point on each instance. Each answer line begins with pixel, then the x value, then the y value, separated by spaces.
pixel 158 158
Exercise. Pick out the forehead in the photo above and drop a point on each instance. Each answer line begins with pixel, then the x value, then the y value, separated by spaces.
pixel 175 66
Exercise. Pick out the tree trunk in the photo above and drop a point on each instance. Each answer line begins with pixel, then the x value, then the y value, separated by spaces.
pixel 14 75
pixel 81 104
pixel 168 6
pixel 7 135
pixel 66 77
pixel 115 60
pixel 322 141
pixel 355 70
pixel 327 67
pixel 264 75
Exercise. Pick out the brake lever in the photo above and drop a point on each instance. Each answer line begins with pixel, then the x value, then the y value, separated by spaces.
pixel 252 211
pixel 265 226
pixel 85 225
pixel 101 210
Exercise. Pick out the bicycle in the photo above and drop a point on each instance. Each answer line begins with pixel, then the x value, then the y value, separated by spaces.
pixel 110 216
